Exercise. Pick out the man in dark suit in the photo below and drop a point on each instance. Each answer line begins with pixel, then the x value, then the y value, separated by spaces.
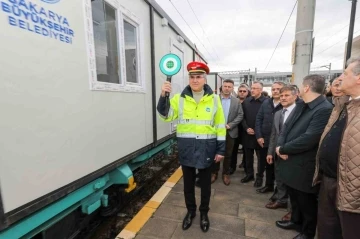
pixel 251 107
pixel 297 147
pixel 288 97
pixel 263 126
pixel 233 116
pixel 243 93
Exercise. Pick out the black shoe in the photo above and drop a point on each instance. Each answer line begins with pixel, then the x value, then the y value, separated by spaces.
pixel 241 165
pixel 197 183
pixel 258 182
pixel 204 222
pixel 231 171
pixel 266 189
pixel 303 236
pixel 247 179
pixel 188 220
pixel 288 225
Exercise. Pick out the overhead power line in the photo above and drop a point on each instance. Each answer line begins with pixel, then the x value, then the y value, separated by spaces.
pixel 334 34
pixel 338 58
pixel 316 31
pixel 203 29
pixel 192 30
pixel 281 35
pixel 335 44
pixel 335 57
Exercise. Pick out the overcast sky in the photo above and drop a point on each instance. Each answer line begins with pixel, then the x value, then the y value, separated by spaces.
pixel 242 34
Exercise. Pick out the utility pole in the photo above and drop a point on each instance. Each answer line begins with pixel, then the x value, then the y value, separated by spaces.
pixel 302 54
pixel 351 29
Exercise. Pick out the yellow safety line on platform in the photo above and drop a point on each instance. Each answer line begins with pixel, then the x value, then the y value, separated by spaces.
pixel 135 225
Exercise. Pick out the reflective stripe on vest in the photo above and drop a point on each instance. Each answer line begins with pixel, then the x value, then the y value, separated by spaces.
pixel 192 121
pixel 169 115
pixel 221 138
pixel 181 108
pixel 220 126
pixel 197 136
pixel 215 109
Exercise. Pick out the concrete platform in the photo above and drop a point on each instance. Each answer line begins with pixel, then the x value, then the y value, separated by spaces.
pixel 236 212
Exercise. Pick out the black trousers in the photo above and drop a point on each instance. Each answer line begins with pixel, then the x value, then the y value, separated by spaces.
pixel 350 225
pixel 264 166
pixel 270 175
pixel 334 224
pixel 235 153
pixel 250 160
pixel 304 210
pixel 328 218
pixel 227 159
pixel 189 176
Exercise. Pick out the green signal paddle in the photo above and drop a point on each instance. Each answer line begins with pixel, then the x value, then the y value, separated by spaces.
pixel 170 65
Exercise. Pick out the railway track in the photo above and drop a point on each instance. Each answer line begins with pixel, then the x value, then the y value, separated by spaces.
pixel 108 222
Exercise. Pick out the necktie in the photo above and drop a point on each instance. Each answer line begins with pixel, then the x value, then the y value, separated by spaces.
pixel 281 123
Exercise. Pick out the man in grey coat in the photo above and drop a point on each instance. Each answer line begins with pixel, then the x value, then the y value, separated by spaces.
pixel 288 97
pixel 233 116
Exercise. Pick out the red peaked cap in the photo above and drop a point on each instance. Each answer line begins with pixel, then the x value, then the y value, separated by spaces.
pixel 197 67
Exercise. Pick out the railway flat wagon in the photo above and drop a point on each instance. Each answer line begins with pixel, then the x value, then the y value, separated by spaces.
pixel 78 93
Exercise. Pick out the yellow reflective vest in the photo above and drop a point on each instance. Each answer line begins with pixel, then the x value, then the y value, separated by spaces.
pixel 200 127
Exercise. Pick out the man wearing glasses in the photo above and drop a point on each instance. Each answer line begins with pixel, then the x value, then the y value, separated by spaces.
pixel 243 93
pixel 251 107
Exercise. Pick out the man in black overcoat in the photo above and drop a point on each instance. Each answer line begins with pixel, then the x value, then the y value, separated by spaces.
pixel 263 126
pixel 251 107
pixel 297 147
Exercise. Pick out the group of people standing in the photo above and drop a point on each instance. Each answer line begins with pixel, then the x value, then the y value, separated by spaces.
pixel 306 145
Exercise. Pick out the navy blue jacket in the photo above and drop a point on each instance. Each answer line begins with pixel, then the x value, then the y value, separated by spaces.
pixel 195 152
pixel 264 120
pixel 251 107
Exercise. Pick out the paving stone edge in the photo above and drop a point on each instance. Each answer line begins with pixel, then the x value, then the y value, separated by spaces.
pixel 140 219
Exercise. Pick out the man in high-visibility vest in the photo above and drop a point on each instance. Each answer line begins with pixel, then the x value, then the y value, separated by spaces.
pixel 200 135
